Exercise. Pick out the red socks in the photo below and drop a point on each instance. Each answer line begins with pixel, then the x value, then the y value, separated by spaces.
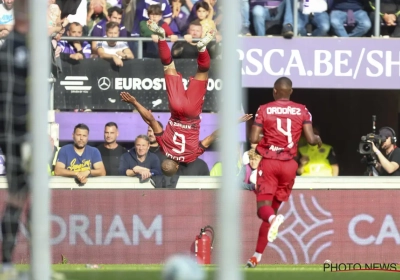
pixel 265 212
pixel 164 52
pixel 203 61
pixel 262 240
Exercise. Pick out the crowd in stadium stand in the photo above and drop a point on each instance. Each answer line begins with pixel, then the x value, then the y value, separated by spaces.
pixel 190 19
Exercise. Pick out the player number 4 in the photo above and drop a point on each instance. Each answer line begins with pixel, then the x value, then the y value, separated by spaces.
pixel 180 141
pixel 287 132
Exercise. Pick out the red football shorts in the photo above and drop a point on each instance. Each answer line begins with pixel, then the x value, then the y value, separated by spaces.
pixel 275 178
pixel 185 104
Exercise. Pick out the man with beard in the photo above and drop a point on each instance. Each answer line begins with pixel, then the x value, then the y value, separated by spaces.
pixel 110 150
pixel 154 146
pixel 79 160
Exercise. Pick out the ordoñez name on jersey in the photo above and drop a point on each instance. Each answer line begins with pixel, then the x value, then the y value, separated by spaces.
pixel 283 111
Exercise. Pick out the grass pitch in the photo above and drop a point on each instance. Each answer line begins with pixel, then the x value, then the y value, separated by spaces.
pixel 262 272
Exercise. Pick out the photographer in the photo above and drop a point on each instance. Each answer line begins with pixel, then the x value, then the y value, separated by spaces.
pixel 389 158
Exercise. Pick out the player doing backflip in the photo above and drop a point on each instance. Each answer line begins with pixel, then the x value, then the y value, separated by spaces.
pixel 180 140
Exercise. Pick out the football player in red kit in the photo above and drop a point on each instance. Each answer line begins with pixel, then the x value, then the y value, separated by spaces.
pixel 281 123
pixel 180 140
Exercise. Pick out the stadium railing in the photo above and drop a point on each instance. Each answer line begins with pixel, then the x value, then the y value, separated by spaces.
pixel 140 41
pixel 206 182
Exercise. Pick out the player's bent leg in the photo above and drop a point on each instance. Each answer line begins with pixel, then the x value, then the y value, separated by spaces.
pixel 203 59
pixel 163 48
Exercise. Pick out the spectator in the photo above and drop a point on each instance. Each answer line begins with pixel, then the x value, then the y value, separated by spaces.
pixel 318 18
pixel 54 155
pixel 389 15
pixel 114 50
pixel 141 14
pixel 79 160
pixel 154 13
pixel 179 17
pixel 196 168
pixel 316 161
pixel 110 150
pixel 138 162
pixel 217 14
pixel 154 146
pixel 188 49
pixel 97 12
pixel 248 172
pixel 53 18
pixel 216 170
pixel 205 13
pixel 245 15
pixel 76 50
pixel 264 10
pixel 350 12
pixel 6 19
pixel 245 157
pixel 114 15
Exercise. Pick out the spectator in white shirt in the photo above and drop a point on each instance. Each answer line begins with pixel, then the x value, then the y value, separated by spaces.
pixel 115 50
pixel 6 18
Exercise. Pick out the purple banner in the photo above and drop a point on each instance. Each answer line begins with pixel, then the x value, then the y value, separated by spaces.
pixel 130 124
pixel 346 63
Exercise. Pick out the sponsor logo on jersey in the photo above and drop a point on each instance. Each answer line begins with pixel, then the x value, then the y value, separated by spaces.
pixel 275 148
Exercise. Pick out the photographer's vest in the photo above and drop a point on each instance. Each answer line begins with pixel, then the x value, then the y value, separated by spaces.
pixel 318 164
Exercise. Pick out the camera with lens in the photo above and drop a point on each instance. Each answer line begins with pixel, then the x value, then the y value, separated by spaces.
pixel 365 147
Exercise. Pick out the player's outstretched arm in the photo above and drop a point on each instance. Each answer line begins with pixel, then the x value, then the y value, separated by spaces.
pixel 213 136
pixel 312 139
pixel 146 115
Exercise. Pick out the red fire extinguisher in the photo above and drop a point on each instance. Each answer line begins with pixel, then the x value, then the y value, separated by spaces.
pixel 203 245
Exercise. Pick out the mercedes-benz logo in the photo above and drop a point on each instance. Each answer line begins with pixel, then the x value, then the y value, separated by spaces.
pixel 104 83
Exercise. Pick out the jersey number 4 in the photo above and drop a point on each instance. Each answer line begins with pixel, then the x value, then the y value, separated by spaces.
pixel 287 132
pixel 180 141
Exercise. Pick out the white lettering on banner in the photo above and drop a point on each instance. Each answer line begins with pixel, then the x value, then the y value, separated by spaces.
pixel 374 63
pixel 338 63
pixel 117 230
pixel 254 61
pixel 267 62
pixel 390 63
pixel 158 84
pixel 99 229
pixel 388 229
pixel 63 229
pixel 79 225
pixel 155 228
pixel 283 111
pixel 295 61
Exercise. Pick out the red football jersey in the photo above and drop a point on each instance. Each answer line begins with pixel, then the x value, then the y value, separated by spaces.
pixel 282 122
pixel 180 140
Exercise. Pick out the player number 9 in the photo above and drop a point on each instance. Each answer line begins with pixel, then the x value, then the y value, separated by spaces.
pixel 180 141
